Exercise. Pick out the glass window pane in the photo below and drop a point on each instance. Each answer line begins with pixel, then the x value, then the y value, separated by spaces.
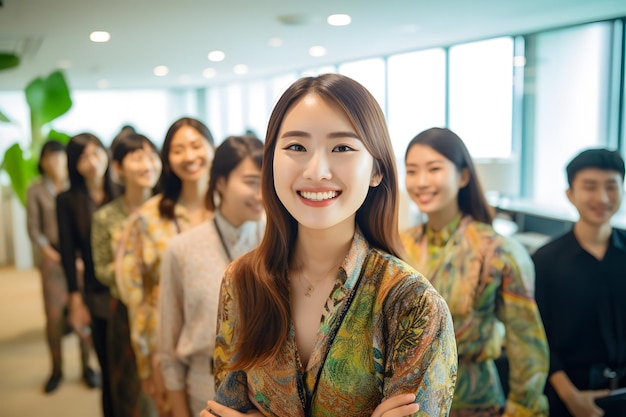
pixel 234 112
pixel 417 93
pixel 258 113
pixel 215 114
pixel 313 72
pixel 13 105
pixel 279 84
pixel 571 95
pixel 370 73
pixel 481 96
pixel 103 113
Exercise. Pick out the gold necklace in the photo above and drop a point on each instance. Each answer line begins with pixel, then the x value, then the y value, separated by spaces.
pixel 310 287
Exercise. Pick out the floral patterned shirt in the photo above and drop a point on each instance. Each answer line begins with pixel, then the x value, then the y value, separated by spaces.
pixel 139 268
pixel 487 280
pixel 107 227
pixel 396 337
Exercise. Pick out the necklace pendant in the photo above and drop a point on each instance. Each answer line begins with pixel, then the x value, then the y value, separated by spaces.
pixel 309 290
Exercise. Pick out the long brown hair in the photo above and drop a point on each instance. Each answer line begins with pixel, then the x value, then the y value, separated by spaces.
pixel 261 277
pixel 78 187
pixel 471 198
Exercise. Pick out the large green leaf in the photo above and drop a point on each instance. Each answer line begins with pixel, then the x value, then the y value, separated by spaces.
pixel 21 171
pixel 3 118
pixel 58 136
pixel 8 61
pixel 48 98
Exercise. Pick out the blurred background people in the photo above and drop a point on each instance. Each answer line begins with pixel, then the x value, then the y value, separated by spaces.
pixel 484 277
pixel 136 164
pixel 581 285
pixel 186 155
pixel 44 235
pixel 192 270
pixel 90 188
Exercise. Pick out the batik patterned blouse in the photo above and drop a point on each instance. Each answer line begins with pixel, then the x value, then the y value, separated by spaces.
pixel 107 226
pixel 396 337
pixel 487 279
pixel 147 238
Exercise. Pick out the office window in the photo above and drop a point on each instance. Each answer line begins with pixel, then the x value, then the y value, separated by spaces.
pixel 13 105
pixel 481 96
pixel 313 72
pixel 103 113
pixel 214 116
pixel 279 84
pixel 258 112
pixel 234 110
pixel 571 97
pixel 370 73
pixel 416 85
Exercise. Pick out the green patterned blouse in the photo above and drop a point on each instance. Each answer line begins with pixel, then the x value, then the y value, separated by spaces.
pixel 487 280
pixel 397 337
pixel 107 227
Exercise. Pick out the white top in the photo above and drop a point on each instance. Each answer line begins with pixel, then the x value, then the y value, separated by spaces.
pixel 191 274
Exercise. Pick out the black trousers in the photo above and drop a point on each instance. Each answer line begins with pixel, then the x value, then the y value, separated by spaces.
pixel 99 336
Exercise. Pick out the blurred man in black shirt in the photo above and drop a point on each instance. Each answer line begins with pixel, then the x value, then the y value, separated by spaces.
pixel 581 294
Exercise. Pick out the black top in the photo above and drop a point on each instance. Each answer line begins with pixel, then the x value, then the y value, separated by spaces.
pixel 74 213
pixel 582 302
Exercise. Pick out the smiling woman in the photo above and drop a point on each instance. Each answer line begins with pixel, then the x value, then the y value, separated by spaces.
pixel 192 271
pixel 186 156
pixel 319 161
pixel 485 278
pixel 136 163
pixel 324 318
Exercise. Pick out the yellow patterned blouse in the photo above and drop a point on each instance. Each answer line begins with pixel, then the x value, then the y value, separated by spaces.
pixel 139 268
pixel 397 337
pixel 487 279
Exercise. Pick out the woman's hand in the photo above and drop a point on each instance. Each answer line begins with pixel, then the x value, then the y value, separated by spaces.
pixel 401 405
pixel 79 316
pixel 51 256
pixel 154 390
pixel 154 387
pixel 217 409
pixel 582 403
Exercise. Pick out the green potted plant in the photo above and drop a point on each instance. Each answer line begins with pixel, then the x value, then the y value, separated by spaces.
pixel 7 61
pixel 48 98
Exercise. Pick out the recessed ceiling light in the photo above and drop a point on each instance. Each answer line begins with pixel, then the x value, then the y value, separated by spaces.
pixel 103 83
pixel 519 61
pixel 209 73
pixel 275 42
pixel 339 20
pixel 161 71
pixel 240 69
pixel 216 56
pixel 317 51
pixel 100 36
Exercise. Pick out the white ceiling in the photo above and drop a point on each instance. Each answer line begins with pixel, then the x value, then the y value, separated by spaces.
pixel 180 33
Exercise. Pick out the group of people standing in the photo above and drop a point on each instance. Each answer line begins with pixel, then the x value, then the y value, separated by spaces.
pixel 309 302
pixel 104 237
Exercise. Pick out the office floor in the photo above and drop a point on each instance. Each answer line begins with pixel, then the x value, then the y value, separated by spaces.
pixel 24 358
